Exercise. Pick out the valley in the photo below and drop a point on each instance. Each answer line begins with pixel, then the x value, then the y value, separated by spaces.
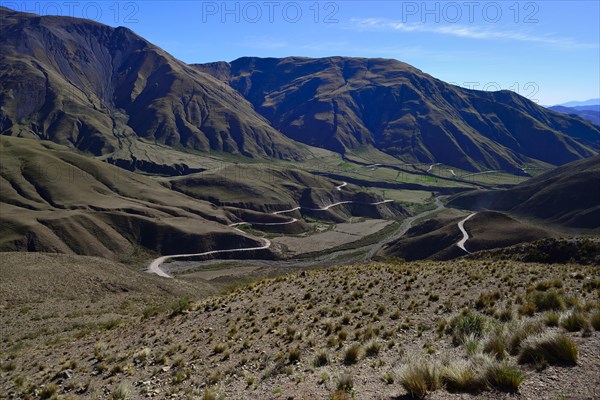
pixel 285 227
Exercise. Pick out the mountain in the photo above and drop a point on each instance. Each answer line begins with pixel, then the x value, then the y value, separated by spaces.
pixel 590 102
pixel 590 113
pixel 102 90
pixel 591 108
pixel 343 103
pixel 108 92
pixel 568 195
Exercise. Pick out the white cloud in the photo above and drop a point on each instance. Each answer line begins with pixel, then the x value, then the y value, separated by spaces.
pixel 466 32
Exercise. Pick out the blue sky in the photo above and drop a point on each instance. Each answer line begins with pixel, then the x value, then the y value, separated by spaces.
pixel 545 50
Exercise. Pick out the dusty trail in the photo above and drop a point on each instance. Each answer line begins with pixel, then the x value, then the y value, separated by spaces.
pixel 480 173
pixel 431 166
pixel 461 226
pixel 154 267
pixel 328 258
pixel 339 187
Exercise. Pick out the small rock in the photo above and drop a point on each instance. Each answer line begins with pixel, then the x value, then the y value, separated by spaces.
pixel 63 375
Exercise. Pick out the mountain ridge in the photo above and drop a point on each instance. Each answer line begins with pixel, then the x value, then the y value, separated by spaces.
pixel 341 103
pixel 576 103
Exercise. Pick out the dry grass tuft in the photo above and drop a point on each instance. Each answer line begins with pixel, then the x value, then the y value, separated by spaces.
pixel 574 321
pixel 504 376
pixel 521 330
pixel 554 348
pixel 468 324
pixel 321 359
pixel 595 320
pixel 462 376
pixel 352 354
pixel 420 377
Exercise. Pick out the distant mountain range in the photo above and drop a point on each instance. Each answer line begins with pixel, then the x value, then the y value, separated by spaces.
pixel 108 92
pixel 590 102
pixel 590 113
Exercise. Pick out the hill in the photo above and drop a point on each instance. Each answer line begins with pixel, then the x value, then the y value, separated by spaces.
pixel 103 90
pixel 54 200
pixel 584 250
pixel 437 238
pixel 268 189
pixel 344 103
pixel 567 196
pixel 89 292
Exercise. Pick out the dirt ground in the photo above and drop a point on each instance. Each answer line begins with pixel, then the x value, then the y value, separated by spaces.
pixel 338 235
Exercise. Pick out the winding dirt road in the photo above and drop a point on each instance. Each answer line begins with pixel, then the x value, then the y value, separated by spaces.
pixel 480 173
pixel 433 165
pixel 155 265
pixel 461 226
pixel 339 187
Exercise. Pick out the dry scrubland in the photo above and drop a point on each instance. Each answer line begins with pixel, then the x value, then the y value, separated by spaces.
pixel 367 331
